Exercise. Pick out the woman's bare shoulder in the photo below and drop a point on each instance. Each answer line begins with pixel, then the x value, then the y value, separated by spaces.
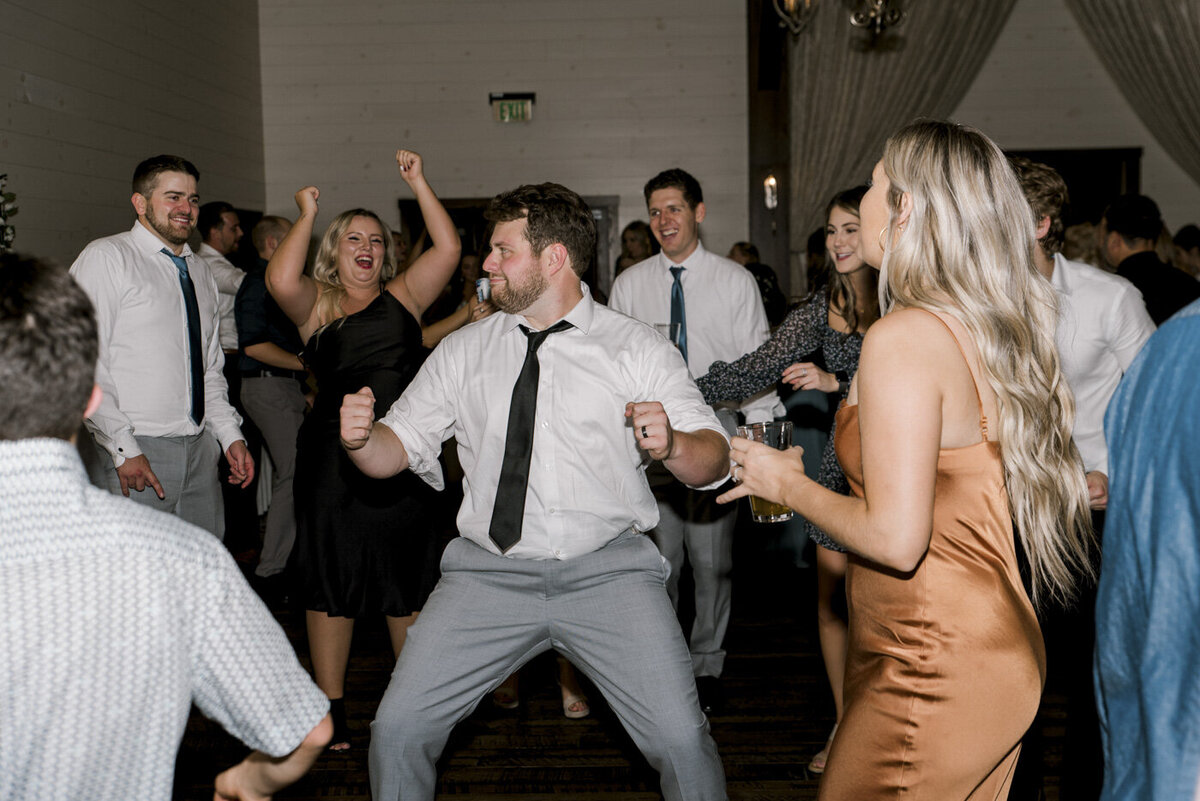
pixel 905 329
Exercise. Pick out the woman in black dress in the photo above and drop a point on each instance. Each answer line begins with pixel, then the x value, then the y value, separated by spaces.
pixel 363 546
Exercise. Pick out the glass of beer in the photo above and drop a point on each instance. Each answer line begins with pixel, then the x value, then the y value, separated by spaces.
pixel 776 434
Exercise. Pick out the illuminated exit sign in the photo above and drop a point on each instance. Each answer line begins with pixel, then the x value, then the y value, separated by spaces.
pixel 512 106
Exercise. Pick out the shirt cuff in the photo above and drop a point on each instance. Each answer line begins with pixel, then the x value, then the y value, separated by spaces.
pixel 226 435
pixel 123 446
pixel 427 469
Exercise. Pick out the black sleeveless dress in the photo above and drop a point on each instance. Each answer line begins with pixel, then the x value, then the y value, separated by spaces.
pixel 363 545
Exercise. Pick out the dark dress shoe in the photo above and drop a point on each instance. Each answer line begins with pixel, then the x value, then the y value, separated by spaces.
pixel 712 697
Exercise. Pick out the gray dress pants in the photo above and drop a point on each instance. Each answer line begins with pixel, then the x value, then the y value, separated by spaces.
pixel 607 612
pixel 187 469
pixel 276 405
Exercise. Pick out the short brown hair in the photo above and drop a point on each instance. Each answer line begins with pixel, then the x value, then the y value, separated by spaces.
pixel 145 175
pixel 269 225
pixel 552 214
pixel 1046 192
pixel 48 349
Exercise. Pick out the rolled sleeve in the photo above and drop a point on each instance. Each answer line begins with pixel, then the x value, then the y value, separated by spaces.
pixel 422 417
pixel 674 388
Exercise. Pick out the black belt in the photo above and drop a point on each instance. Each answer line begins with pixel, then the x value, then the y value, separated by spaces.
pixel 274 374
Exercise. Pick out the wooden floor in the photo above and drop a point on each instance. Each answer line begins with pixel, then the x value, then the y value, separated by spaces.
pixel 777 714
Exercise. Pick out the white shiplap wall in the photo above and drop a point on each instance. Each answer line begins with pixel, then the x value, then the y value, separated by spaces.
pixel 624 89
pixel 1042 87
pixel 89 89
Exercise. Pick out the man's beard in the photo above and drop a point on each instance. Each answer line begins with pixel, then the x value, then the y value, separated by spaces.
pixel 166 230
pixel 515 299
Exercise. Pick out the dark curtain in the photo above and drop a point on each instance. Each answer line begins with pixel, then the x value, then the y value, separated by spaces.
pixel 1151 48
pixel 848 97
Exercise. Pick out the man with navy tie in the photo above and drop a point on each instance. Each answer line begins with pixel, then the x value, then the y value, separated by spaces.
pixel 715 306
pixel 165 417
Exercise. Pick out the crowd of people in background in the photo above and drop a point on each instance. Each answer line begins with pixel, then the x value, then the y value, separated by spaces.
pixel 972 342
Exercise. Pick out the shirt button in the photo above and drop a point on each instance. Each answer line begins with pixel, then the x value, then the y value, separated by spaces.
pixel 558 554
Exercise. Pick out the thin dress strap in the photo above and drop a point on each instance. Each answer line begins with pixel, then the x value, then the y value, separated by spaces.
pixel 983 424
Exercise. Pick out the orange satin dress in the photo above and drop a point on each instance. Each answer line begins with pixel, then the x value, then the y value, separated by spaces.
pixel 945 665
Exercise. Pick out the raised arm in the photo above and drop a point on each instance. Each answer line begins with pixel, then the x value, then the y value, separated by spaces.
pixel 423 281
pixel 295 292
pixel 900 389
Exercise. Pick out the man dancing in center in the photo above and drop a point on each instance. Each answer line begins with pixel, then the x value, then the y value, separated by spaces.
pixel 555 503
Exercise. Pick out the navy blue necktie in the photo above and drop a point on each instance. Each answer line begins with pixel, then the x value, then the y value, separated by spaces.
pixel 508 511
pixel 678 315
pixel 195 351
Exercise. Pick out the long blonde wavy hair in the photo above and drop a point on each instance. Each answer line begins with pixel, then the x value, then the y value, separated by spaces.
pixel 967 250
pixel 325 272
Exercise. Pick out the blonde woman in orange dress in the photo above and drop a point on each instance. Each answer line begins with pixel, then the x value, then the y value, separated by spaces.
pixel 957 426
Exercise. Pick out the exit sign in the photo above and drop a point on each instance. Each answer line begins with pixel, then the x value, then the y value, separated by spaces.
pixel 512 107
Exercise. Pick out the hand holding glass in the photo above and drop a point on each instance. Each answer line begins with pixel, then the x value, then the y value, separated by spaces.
pixel 774 434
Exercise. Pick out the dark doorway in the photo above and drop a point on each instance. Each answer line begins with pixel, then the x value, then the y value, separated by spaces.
pixel 1094 177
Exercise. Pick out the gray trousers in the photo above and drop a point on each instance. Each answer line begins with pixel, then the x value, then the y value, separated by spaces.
pixel 684 522
pixel 187 469
pixel 276 405
pixel 607 612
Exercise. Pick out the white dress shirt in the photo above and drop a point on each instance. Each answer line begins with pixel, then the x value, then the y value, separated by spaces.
pixel 143 367
pixel 229 279
pixel 587 479
pixel 1102 325
pixel 722 308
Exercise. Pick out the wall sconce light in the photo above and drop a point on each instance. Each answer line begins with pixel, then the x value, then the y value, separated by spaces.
pixel 878 16
pixel 795 14
pixel 770 192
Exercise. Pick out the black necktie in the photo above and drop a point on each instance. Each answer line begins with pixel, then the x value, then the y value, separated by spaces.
pixel 195 352
pixel 678 315
pixel 509 510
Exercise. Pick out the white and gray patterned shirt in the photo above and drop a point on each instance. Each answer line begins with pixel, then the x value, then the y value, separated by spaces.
pixel 116 619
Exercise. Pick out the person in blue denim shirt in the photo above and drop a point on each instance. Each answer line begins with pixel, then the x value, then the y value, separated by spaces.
pixel 1148 608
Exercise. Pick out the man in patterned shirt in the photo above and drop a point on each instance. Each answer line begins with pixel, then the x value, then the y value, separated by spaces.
pixel 120 616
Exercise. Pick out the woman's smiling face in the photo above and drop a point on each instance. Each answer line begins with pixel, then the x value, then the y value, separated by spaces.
pixel 841 240
pixel 361 252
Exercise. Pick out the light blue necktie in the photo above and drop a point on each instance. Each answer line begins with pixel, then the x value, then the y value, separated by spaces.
pixel 678 316
pixel 195 352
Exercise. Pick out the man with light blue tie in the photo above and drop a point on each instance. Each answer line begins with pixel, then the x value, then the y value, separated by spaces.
pixel 165 417
pixel 718 311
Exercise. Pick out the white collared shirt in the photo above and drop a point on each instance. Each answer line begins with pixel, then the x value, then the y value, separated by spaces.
pixel 229 279
pixel 587 479
pixel 143 367
pixel 722 306
pixel 1102 325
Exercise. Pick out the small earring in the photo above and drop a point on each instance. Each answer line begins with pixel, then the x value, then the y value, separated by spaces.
pixel 879 238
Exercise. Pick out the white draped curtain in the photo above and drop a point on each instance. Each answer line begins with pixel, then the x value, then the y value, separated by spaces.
pixel 1151 49
pixel 847 99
